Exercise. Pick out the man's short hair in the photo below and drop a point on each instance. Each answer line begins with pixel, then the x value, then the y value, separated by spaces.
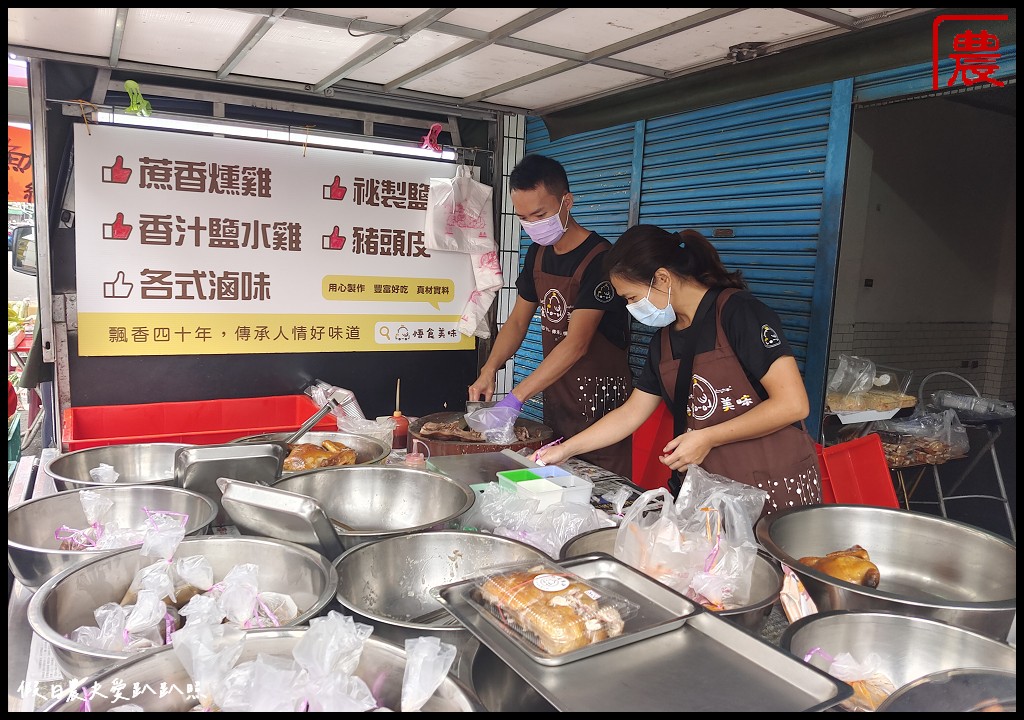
pixel 534 170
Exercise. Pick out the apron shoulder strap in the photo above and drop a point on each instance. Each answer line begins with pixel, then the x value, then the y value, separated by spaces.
pixel 720 339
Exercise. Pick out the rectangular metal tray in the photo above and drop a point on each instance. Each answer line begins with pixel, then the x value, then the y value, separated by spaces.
pixel 660 609
pixel 707 665
pixel 198 468
pixel 259 510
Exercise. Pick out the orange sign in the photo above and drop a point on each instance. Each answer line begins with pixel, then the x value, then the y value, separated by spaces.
pixel 19 165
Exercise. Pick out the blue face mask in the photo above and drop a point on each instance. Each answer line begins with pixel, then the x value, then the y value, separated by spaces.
pixel 649 314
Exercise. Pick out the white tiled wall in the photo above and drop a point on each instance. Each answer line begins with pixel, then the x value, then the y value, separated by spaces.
pixel 988 349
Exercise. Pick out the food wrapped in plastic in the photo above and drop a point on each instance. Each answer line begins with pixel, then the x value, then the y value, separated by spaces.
pixel 548 607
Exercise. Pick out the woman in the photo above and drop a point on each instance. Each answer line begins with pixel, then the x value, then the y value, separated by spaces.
pixel 720 363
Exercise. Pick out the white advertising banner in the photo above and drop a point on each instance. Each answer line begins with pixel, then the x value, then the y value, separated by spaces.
pixel 190 245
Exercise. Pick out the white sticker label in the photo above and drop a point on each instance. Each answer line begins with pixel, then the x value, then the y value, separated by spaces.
pixel 593 594
pixel 550 583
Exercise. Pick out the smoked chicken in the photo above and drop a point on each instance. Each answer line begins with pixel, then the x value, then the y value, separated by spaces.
pixel 307 456
pixel 851 565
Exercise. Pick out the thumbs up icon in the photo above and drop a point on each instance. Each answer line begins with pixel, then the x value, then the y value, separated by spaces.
pixel 117 230
pixel 117 288
pixel 334 241
pixel 335 191
pixel 116 173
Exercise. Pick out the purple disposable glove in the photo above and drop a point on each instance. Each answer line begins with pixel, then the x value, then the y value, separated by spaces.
pixel 510 401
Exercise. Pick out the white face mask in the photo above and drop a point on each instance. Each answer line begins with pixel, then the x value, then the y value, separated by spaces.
pixel 649 314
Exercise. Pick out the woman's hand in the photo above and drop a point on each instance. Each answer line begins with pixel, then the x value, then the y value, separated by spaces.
pixel 551 455
pixel 690 448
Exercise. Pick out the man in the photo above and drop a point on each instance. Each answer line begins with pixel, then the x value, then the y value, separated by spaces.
pixel 585 328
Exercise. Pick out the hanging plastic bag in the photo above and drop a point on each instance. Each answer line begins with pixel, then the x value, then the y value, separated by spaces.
pixel 488 278
pixel 459 215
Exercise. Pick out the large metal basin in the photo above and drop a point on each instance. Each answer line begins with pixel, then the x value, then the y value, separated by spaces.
pixel 381 667
pixel 369 451
pixel 136 464
pixel 909 647
pixel 388 583
pixel 67 601
pixel 32 548
pixel 765 582
pixel 378 501
pixel 930 567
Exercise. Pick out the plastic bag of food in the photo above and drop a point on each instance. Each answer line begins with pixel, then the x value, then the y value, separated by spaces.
pixel 870 685
pixel 924 438
pixel 208 653
pixel 426 666
pixel 332 644
pixel 852 375
pixel 267 684
pixel 97 508
pixel 496 423
pixel 724 511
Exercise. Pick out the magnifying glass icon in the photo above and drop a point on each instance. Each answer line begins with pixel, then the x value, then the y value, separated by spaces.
pixel 385 332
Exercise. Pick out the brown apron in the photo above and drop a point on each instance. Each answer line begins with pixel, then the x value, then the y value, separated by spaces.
pixel 598 383
pixel 784 463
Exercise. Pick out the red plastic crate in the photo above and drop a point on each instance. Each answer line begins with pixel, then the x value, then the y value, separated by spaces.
pixel 856 473
pixel 202 422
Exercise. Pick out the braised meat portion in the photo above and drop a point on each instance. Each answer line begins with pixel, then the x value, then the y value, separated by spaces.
pixel 308 456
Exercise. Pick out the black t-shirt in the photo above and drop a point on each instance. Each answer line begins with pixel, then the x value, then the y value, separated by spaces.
pixel 753 329
pixel 595 293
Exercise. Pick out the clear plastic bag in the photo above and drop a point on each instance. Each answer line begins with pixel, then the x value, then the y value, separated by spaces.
pixel 925 438
pixel 870 685
pixel 703 544
pixel 427 661
pixel 971 408
pixel 852 375
pixel 496 423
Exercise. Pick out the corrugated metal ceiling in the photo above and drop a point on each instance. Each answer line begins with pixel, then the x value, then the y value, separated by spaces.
pixel 527 60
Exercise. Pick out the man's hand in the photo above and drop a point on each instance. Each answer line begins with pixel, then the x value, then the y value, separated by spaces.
pixel 511 402
pixel 483 388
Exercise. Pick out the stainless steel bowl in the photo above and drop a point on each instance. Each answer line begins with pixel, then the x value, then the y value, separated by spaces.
pixel 388 583
pixel 138 464
pixel 378 501
pixel 960 690
pixel 381 667
pixel 32 548
pixel 765 581
pixel 369 451
pixel 909 647
pixel 929 566
pixel 67 601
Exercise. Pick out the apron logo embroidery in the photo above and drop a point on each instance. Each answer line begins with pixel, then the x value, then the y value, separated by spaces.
pixel 554 307
pixel 604 292
pixel 703 399
pixel 769 337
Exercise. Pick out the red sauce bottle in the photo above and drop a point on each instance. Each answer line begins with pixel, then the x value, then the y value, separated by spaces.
pixel 400 438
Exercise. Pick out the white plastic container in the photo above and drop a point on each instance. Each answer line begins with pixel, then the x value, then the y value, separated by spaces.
pixel 575 489
pixel 544 491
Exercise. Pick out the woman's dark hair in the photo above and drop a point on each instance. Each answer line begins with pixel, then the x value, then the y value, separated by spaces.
pixel 641 250
pixel 534 170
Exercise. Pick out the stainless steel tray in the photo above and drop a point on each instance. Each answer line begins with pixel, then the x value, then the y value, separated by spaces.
pixel 707 665
pixel 659 608
pixel 266 511
pixel 199 467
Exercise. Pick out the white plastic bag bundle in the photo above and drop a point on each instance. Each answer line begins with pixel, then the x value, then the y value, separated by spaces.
pixel 459 214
